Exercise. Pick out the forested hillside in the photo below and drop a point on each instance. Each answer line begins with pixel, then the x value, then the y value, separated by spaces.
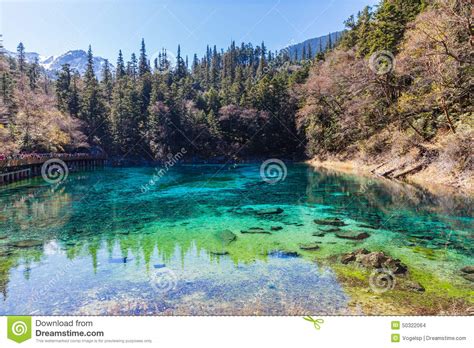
pixel 396 92
pixel 236 104
pixel 397 85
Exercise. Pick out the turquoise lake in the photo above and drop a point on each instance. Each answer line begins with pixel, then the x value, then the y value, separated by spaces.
pixel 110 242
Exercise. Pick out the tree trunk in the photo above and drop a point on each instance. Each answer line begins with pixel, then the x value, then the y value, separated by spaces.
pixel 446 113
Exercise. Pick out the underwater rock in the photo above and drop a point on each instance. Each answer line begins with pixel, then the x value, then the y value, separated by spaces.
pixel 367 226
pixel 415 286
pixel 226 236
pixel 329 229
pixel 283 254
pixel 318 234
pixel 241 210
pixel 353 235
pixel 219 253
pixel 28 243
pixel 469 276
pixel 330 221
pixel 421 236
pixel 119 259
pixel 468 269
pixel 350 257
pixel 5 253
pixel 276 228
pixel 309 247
pixel 270 211
pixel 253 231
pixel 346 258
pixel 297 224
pixel 375 259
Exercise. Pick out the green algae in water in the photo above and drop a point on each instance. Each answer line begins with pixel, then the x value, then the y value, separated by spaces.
pixel 110 247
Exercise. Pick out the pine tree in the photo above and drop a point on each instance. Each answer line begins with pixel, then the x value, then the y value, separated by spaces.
pixel 126 114
pixel 120 68
pixel 74 98
pixel 143 66
pixel 132 66
pixel 310 52
pixel 89 75
pixel 93 109
pixel 349 38
pixel 320 54
pixel 389 24
pixel 33 74
pixel 329 41
pixel 214 70
pixel 63 91
pixel 195 66
pixel 180 65
pixel 262 62
pixel 364 28
pixel 21 57
pixel 107 81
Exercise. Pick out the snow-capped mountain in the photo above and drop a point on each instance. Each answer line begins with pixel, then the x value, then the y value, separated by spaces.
pixel 30 56
pixel 77 60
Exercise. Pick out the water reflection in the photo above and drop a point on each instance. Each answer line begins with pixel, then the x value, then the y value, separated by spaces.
pixel 99 221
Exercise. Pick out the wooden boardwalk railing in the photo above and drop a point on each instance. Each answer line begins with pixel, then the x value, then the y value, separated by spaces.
pixel 27 166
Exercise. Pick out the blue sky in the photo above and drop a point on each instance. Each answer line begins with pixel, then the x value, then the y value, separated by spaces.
pixel 54 27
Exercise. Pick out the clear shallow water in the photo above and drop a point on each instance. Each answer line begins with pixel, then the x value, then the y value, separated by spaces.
pixel 105 244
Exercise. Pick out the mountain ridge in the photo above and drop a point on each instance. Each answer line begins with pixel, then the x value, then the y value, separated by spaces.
pixel 316 44
pixel 77 58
